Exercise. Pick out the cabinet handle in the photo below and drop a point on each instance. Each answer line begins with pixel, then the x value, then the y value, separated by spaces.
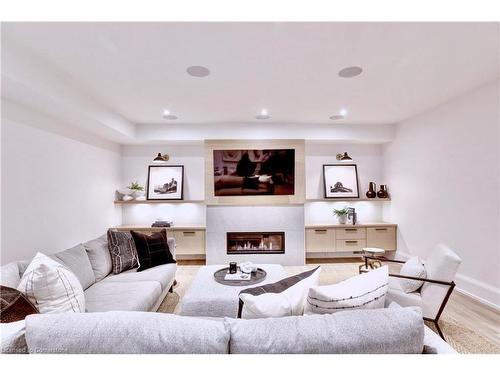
pixel 320 231
pixel 188 233
pixel 351 242
pixel 351 229
pixel 380 229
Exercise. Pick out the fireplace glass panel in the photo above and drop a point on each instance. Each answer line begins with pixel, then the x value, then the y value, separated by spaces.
pixel 255 242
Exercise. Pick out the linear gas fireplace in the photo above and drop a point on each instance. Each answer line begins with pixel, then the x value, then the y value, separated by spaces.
pixel 255 242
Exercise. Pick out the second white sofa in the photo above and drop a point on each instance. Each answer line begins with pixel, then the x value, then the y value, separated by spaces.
pixel 104 291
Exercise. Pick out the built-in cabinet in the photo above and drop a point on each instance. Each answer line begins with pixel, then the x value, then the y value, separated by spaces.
pixel 189 242
pixel 341 240
pixel 322 241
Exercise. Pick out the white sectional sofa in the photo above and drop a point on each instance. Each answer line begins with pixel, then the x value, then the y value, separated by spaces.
pixel 120 318
pixel 390 330
pixel 104 291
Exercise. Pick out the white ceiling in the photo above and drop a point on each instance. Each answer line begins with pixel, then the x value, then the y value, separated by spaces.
pixel 135 70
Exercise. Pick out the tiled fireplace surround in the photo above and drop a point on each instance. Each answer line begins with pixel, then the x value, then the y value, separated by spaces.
pixel 282 218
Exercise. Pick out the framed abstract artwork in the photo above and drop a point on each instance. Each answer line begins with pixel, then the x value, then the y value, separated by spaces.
pixel 340 181
pixel 165 182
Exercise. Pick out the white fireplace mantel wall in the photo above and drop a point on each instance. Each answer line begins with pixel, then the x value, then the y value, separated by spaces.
pixel 223 219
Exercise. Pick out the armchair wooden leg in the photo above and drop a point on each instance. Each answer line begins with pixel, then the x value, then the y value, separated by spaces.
pixel 438 328
pixel 436 324
pixel 171 290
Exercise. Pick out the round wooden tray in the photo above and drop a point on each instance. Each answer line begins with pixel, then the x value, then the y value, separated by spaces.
pixel 256 277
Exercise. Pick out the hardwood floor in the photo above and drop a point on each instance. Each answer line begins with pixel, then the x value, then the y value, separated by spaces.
pixel 474 315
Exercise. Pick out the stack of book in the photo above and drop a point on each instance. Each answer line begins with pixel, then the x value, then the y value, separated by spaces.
pixel 161 224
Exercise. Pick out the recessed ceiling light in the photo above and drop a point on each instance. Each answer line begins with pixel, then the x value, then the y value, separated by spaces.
pixel 198 71
pixel 263 115
pixel 342 114
pixel 336 117
pixel 350 71
pixel 168 116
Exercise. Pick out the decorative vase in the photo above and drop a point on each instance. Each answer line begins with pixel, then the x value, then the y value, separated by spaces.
pixel 137 194
pixel 342 219
pixel 371 193
pixel 382 193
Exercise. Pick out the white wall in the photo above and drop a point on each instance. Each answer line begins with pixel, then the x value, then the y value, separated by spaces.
pixel 56 191
pixel 443 170
pixel 135 162
pixel 367 157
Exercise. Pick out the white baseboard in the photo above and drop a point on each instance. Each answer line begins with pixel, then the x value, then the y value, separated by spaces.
pixel 480 292
pixel 477 290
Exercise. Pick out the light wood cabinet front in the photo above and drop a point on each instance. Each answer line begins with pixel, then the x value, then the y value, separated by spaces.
pixel 350 245
pixel 189 242
pixel 320 240
pixel 350 233
pixel 341 241
pixel 382 237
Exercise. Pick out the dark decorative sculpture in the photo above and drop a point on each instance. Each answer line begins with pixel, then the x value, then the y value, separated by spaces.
pixel 382 193
pixel 371 193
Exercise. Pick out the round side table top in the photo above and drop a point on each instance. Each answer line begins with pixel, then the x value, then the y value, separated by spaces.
pixel 255 277
pixel 375 251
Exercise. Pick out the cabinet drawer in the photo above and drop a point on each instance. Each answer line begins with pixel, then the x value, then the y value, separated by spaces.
pixel 320 240
pixel 382 237
pixel 350 233
pixel 350 245
pixel 189 241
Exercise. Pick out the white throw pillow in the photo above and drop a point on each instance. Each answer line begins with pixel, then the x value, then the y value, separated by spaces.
pixel 365 291
pixel 413 268
pixel 52 287
pixel 283 298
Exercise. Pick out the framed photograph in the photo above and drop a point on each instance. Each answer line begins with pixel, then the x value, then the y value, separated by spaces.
pixel 165 182
pixel 254 172
pixel 341 181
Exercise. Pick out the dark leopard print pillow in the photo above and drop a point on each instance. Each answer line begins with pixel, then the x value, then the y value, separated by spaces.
pixel 14 305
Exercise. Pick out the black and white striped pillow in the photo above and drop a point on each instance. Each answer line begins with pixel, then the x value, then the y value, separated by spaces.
pixel 122 250
pixel 283 298
pixel 365 291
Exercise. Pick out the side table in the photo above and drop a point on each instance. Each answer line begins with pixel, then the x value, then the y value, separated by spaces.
pixel 370 264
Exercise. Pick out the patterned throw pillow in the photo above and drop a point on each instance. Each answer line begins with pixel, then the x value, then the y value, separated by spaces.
pixel 122 250
pixel 283 298
pixel 52 287
pixel 152 250
pixel 14 305
pixel 365 291
pixel 413 268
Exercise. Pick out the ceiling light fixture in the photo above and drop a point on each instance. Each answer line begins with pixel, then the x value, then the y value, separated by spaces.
pixel 350 71
pixel 198 71
pixel 263 115
pixel 168 116
pixel 336 117
pixel 343 157
pixel 342 114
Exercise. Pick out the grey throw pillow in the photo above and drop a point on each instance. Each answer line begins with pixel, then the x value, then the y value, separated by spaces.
pixel 122 250
pixel 413 268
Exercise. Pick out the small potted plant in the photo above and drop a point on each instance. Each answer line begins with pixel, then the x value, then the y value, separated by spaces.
pixel 137 190
pixel 341 214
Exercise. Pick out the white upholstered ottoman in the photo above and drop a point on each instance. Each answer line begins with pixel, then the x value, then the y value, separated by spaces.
pixel 206 297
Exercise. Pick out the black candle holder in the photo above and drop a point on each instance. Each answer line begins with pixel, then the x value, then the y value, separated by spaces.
pixel 233 267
